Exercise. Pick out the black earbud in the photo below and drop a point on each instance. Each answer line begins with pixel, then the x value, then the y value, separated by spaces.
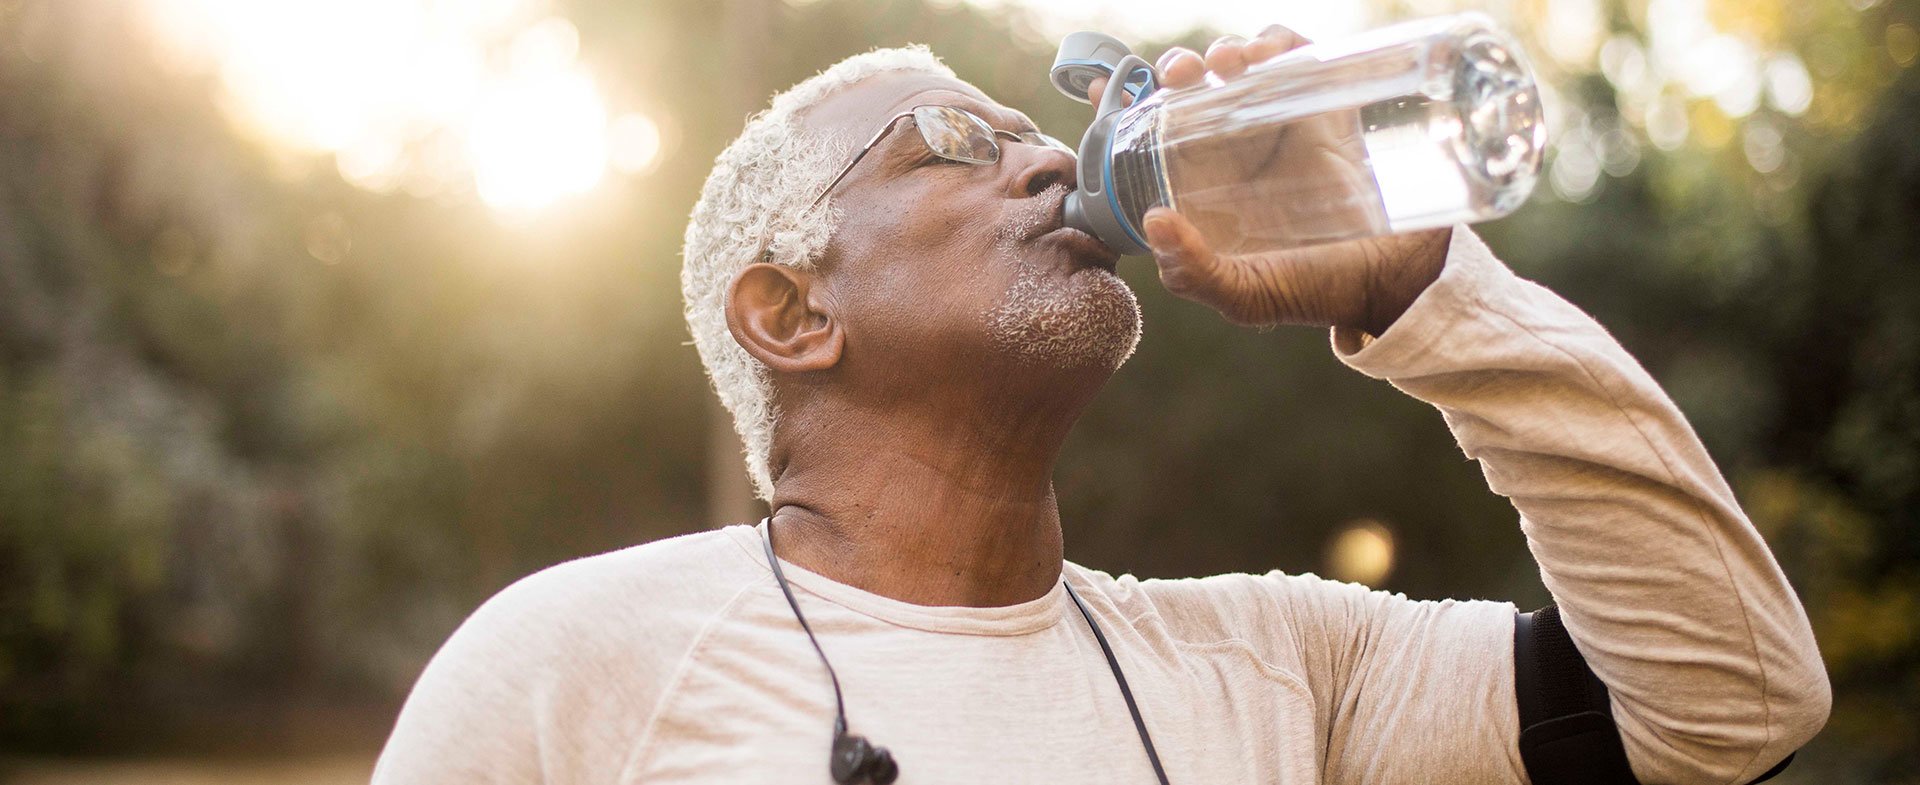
pixel 857 761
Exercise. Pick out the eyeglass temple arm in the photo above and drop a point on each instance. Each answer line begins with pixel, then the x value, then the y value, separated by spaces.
pixel 856 158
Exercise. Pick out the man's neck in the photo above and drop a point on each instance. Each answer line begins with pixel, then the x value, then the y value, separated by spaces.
pixel 928 510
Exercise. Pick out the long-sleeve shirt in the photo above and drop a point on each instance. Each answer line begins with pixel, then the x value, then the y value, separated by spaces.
pixel 680 661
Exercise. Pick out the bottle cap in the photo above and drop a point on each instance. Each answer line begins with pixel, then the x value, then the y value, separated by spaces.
pixel 1092 207
pixel 1084 57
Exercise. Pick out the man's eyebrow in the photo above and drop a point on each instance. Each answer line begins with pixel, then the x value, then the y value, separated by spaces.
pixel 994 114
pixel 1008 117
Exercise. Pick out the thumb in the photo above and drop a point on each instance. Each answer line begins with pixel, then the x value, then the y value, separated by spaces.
pixel 1095 88
pixel 1188 266
pixel 1098 88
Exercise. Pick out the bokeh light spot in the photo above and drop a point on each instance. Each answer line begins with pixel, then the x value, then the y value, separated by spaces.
pixel 1573 30
pixel 1361 552
pixel 1667 124
pixel 1789 86
pixel 327 238
pixel 538 138
pixel 633 143
pixel 1764 148
pixel 1903 43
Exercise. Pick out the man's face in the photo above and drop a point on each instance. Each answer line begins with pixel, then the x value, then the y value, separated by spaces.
pixel 945 267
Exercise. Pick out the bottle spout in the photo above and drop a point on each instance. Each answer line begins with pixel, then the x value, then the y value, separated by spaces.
pixel 1093 213
pixel 1075 216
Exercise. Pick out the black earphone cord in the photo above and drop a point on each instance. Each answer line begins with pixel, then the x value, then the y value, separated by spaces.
pixel 840 704
pixel 1139 723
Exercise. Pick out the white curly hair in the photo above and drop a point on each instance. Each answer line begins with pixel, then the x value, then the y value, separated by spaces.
pixel 754 204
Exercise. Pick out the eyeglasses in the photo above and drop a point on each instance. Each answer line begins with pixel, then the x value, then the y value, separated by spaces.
pixel 951 133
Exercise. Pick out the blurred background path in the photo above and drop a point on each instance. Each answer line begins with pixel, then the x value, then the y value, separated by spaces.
pixel 331 770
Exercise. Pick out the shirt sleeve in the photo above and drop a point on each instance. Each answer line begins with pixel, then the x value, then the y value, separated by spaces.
pixel 473 714
pixel 1404 691
pixel 552 679
pixel 1663 584
pixel 523 692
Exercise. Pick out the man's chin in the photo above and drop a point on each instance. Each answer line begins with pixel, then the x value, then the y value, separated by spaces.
pixel 1088 321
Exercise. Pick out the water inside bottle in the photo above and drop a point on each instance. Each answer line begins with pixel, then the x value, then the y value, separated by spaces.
pixel 1261 163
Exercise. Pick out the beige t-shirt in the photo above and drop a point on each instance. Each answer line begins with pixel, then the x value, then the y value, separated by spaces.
pixel 679 660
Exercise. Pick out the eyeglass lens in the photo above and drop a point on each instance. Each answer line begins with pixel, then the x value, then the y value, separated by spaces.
pixel 959 135
pixel 956 135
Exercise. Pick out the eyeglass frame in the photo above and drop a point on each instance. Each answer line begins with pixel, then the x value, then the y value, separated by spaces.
pixel 994 136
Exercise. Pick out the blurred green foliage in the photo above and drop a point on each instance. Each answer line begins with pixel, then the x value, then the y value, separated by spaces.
pixel 232 473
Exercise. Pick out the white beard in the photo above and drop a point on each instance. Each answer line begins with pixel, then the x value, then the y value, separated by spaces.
pixel 1087 319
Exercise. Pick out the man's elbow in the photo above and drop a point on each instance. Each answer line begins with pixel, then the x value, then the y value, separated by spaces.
pixel 1799 709
pixel 1795 699
pixel 1741 743
pixel 1798 703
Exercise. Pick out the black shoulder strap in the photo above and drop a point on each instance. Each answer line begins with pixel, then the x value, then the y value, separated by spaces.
pixel 1567 735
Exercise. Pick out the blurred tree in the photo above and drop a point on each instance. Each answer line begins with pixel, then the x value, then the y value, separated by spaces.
pixel 1841 495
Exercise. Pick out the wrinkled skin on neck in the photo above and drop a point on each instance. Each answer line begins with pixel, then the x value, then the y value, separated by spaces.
pixel 928 369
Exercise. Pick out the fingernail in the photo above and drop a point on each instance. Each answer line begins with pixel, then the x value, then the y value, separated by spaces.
pixel 1157 230
pixel 1227 40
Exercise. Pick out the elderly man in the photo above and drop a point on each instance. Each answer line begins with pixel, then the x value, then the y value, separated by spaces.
pixel 904 341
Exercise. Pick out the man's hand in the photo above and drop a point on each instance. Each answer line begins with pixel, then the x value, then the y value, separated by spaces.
pixel 1364 284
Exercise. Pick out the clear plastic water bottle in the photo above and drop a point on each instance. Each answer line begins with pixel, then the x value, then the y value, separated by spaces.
pixel 1415 126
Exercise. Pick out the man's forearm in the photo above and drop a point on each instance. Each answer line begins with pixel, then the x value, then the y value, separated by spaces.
pixel 1669 592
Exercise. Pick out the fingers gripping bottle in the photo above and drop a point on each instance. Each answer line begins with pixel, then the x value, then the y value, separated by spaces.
pixel 1415 126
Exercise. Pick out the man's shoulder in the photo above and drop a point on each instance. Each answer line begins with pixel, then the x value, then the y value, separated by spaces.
pixel 1229 606
pixel 1228 588
pixel 647 598
pixel 681 560
pixel 696 572
pixel 579 651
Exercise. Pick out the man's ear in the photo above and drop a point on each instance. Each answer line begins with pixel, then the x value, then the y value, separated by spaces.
pixel 782 320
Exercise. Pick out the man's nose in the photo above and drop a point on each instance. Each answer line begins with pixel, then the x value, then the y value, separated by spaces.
pixel 1040 168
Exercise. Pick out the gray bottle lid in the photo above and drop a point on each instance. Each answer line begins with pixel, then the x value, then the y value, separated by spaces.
pixel 1084 57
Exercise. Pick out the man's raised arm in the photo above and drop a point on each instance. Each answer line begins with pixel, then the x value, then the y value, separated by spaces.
pixel 1666 588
